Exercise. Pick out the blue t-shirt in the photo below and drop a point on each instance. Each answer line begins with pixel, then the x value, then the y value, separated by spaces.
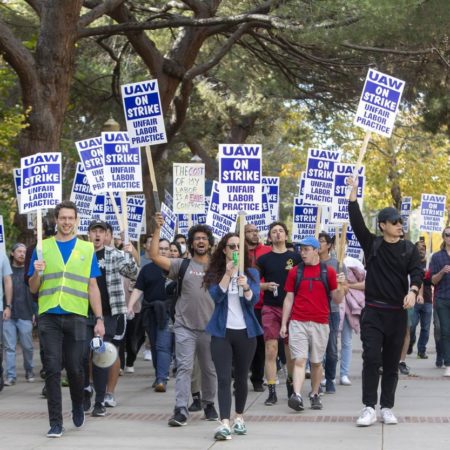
pixel 65 248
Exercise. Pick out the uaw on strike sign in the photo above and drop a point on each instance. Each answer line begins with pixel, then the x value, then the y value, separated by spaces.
pixel 379 102
pixel 145 122
pixel 41 181
pixel 240 187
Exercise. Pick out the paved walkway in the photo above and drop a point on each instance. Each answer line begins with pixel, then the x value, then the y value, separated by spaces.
pixel 140 419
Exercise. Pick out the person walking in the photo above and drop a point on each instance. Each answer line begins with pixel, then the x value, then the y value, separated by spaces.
pixel 65 279
pixel 393 279
pixel 233 327
pixel 20 323
pixel 440 277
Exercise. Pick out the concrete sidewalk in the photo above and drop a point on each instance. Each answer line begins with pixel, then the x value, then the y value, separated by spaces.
pixel 140 419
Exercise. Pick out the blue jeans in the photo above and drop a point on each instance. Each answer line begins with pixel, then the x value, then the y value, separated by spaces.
pixel 160 344
pixel 443 311
pixel 331 355
pixel 346 348
pixel 422 313
pixel 24 329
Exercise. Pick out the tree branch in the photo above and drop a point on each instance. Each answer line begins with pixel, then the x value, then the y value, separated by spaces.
pixel 202 68
pixel 20 59
pixel 98 9
pixel 387 50
pixel 36 5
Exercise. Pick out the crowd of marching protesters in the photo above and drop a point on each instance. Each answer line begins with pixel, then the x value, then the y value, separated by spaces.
pixel 219 329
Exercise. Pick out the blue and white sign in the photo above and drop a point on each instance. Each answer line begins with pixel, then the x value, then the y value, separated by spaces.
pixel 319 176
pixel 122 163
pixel 17 177
pixel 220 224
pixel 170 221
pixel 136 216
pixel 143 113
pixel 272 189
pixel 379 103
pixel 110 215
pixel 183 223
pixel 91 155
pixel 168 199
pixel 339 205
pixel 82 196
pixel 99 208
pixel 240 178
pixel 405 212
pixel 432 212
pixel 304 220
pixel 263 219
pixel 353 247
pixel 2 237
pixel 41 181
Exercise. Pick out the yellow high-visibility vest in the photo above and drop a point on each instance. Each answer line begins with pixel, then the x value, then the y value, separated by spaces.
pixel 66 285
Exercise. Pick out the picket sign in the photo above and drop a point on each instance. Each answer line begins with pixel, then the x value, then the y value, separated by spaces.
pixel 241 247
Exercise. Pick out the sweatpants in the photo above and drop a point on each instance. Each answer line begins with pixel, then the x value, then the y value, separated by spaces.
pixel 188 344
pixel 382 335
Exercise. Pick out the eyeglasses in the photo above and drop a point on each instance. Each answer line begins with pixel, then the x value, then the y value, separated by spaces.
pixel 200 238
pixel 396 221
pixel 233 246
pixel 164 248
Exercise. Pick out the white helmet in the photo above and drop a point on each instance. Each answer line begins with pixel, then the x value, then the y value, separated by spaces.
pixel 105 358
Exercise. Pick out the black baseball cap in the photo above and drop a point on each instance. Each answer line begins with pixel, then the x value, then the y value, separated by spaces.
pixel 97 224
pixel 389 214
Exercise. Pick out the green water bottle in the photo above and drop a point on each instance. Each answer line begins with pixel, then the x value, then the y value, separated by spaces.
pixel 236 258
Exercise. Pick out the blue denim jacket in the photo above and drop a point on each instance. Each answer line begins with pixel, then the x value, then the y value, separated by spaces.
pixel 218 322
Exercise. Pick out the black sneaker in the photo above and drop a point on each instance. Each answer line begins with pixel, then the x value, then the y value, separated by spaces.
pixel 272 398
pixel 403 368
pixel 289 387
pixel 258 387
pixel 422 356
pixel 87 395
pixel 55 431
pixel 78 416
pixel 44 392
pixel 196 403
pixel 211 413
pixel 316 403
pixel 330 387
pixel 178 419
pixel 99 410
pixel 296 402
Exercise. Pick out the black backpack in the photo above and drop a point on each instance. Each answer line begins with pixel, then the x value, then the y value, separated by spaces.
pixel 173 289
pixel 323 278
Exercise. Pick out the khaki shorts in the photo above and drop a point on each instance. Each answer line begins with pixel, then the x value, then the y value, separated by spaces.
pixel 308 338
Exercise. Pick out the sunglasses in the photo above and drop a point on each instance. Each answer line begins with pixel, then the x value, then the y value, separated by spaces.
pixel 395 222
pixel 233 246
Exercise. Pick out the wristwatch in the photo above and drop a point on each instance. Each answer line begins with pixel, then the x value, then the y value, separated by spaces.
pixel 415 291
pixel 99 318
pixel 7 306
pixel 247 290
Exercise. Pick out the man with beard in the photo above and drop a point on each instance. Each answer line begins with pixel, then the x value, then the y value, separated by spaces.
pixel 193 310
pixel 20 324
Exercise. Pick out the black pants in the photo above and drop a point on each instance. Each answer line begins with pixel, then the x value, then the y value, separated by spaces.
pixel 62 336
pixel 134 338
pixel 238 349
pixel 259 359
pixel 382 335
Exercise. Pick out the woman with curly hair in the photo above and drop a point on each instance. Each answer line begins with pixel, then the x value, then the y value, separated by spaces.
pixel 233 327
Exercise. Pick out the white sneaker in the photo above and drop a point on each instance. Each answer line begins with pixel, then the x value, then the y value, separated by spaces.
pixel 109 400
pixel 345 381
pixel 447 371
pixel 368 417
pixel 147 355
pixel 387 416
pixel 129 369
